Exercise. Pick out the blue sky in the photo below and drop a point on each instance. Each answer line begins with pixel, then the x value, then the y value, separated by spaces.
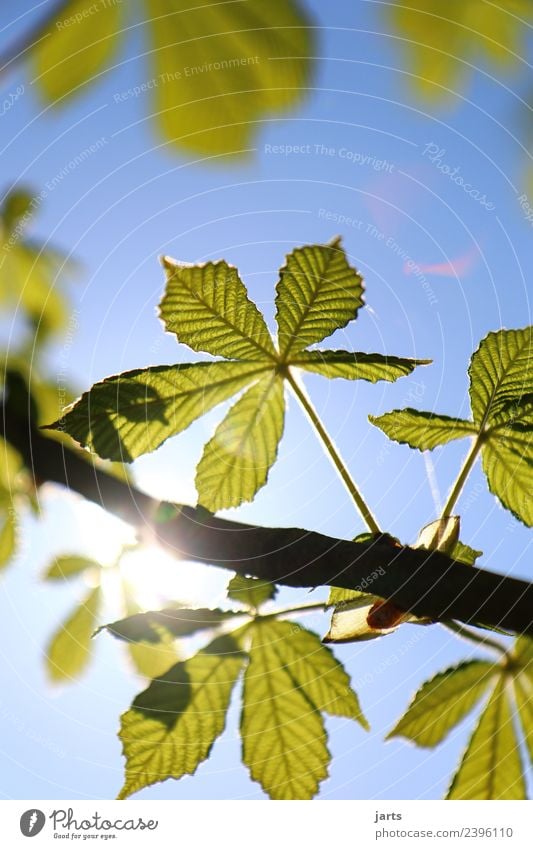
pixel 365 154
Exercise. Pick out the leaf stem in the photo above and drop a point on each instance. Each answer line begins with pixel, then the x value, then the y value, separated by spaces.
pixel 472 637
pixel 300 608
pixel 334 455
pixel 465 470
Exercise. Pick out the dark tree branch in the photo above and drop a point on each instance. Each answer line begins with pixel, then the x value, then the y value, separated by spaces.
pixel 426 583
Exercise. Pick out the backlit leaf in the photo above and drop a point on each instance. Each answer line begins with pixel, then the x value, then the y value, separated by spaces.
pixel 208 308
pixel 283 734
pixel 356 366
pixel 67 566
pixel 465 553
pixel 523 689
pixel 80 43
pixel 422 430
pixel 220 68
pixel 501 376
pixel 171 727
pixel 491 767
pixel 251 592
pixel 178 621
pixel 315 670
pixel 149 659
pixel 508 464
pixel 8 537
pixel 130 414
pixel 318 292
pixel 236 461
pixel 70 648
pixel 441 535
pixel 441 703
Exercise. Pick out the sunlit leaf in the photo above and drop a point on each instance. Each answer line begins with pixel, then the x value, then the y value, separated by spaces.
pixel 171 727
pixel 130 414
pixel 15 208
pixel 422 430
pixel 508 464
pixel 68 566
pixel 8 537
pixel 356 366
pixel 523 689
pixel 523 652
pixel 221 67
pixel 208 308
pixel 318 292
pixel 315 670
pixel 70 648
pixel 441 703
pixel 80 43
pixel 236 461
pixel 251 592
pixel 501 377
pixel 443 42
pixel 149 659
pixel 491 767
pixel 465 553
pixel 178 621
pixel 284 739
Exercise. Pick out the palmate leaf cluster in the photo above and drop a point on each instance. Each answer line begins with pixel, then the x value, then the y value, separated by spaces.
pixel 290 680
pixel 501 398
pixel 215 71
pixel 69 649
pixel 492 765
pixel 207 308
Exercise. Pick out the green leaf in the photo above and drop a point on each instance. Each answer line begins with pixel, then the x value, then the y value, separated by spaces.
pixel 178 621
pixel 151 660
pixel 356 366
pixel 315 670
pixel 8 537
pixel 208 308
pixel 171 727
pixel 491 767
pixel 133 413
pixel 318 292
pixel 80 43
pixel 439 40
pixel 236 461
pixel 422 430
pixel 69 565
pixel 501 375
pixel 523 652
pixel 507 459
pixel 443 701
pixel 250 591
pixel 16 206
pixel 220 68
pixel 523 689
pixel 465 553
pixel 283 734
pixel 70 648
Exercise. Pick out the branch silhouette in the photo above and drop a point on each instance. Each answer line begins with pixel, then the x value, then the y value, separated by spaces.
pixel 428 584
